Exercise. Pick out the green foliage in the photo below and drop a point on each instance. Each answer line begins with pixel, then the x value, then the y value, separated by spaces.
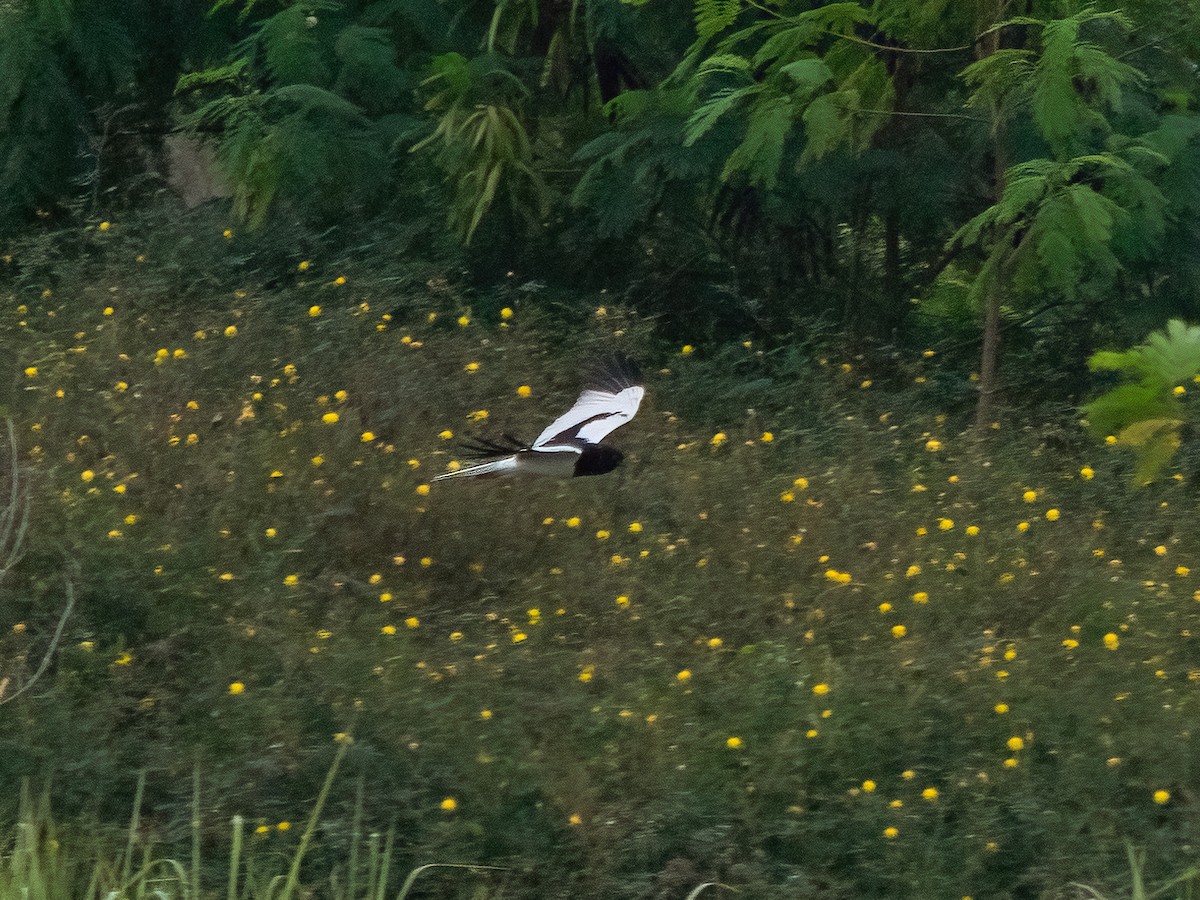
pixel 1055 222
pixel 1076 216
pixel 1147 414
pixel 1070 68
pixel 714 16
pixel 483 147
pixel 782 537
pixel 332 106
pixel 635 168
pixel 790 81
pixel 60 63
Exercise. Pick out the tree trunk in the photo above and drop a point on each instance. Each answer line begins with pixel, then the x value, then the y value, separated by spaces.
pixel 989 359
pixel 996 289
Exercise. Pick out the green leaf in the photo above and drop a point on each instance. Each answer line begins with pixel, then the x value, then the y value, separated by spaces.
pixel 290 47
pixel 761 151
pixel 724 62
pixel 1113 361
pixel 714 16
pixel 704 118
pixel 1125 404
pixel 1174 355
pixel 1147 415
pixel 1154 441
pixel 1095 213
pixel 824 127
pixel 809 74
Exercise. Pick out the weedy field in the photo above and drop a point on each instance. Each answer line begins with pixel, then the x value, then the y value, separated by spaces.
pixel 811 640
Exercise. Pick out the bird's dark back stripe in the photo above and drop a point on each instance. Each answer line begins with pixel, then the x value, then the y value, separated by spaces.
pixel 570 435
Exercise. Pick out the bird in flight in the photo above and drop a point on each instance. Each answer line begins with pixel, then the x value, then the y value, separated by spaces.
pixel 571 444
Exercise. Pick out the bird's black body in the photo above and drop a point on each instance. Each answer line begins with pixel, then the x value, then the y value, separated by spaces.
pixel 593 459
pixel 597 459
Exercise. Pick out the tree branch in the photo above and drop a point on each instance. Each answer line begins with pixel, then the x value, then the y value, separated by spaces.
pixel 920 115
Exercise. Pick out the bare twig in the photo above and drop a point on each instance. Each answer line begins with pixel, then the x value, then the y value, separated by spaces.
pixel 920 115
pixel 14 518
pixel 45 664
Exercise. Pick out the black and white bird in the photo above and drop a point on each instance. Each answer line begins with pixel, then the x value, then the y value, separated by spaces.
pixel 571 444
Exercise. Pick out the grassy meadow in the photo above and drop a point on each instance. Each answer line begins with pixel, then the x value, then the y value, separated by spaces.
pixel 812 639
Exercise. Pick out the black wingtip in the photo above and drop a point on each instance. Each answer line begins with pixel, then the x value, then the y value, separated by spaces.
pixel 493 448
pixel 613 374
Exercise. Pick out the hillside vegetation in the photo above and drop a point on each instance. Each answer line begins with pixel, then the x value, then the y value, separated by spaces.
pixel 812 639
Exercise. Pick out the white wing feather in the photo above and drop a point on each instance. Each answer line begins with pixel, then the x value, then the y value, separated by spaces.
pixel 595 415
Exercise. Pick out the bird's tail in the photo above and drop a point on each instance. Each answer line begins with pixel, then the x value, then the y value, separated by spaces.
pixel 496 468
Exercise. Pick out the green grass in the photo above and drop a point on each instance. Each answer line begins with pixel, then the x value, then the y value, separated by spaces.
pixel 831 664
pixel 40 866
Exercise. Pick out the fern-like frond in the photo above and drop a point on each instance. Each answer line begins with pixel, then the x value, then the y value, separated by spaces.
pixel 760 153
pixel 229 74
pixel 707 114
pixel 714 16
pixel 292 52
pixel 1146 414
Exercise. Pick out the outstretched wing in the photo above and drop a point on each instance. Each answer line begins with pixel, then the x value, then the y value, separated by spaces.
pixel 610 399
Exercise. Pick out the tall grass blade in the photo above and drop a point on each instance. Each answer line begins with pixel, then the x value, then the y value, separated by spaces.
pixel 134 822
pixel 355 834
pixel 385 864
pixel 372 862
pixel 195 880
pixel 293 877
pixel 235 859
